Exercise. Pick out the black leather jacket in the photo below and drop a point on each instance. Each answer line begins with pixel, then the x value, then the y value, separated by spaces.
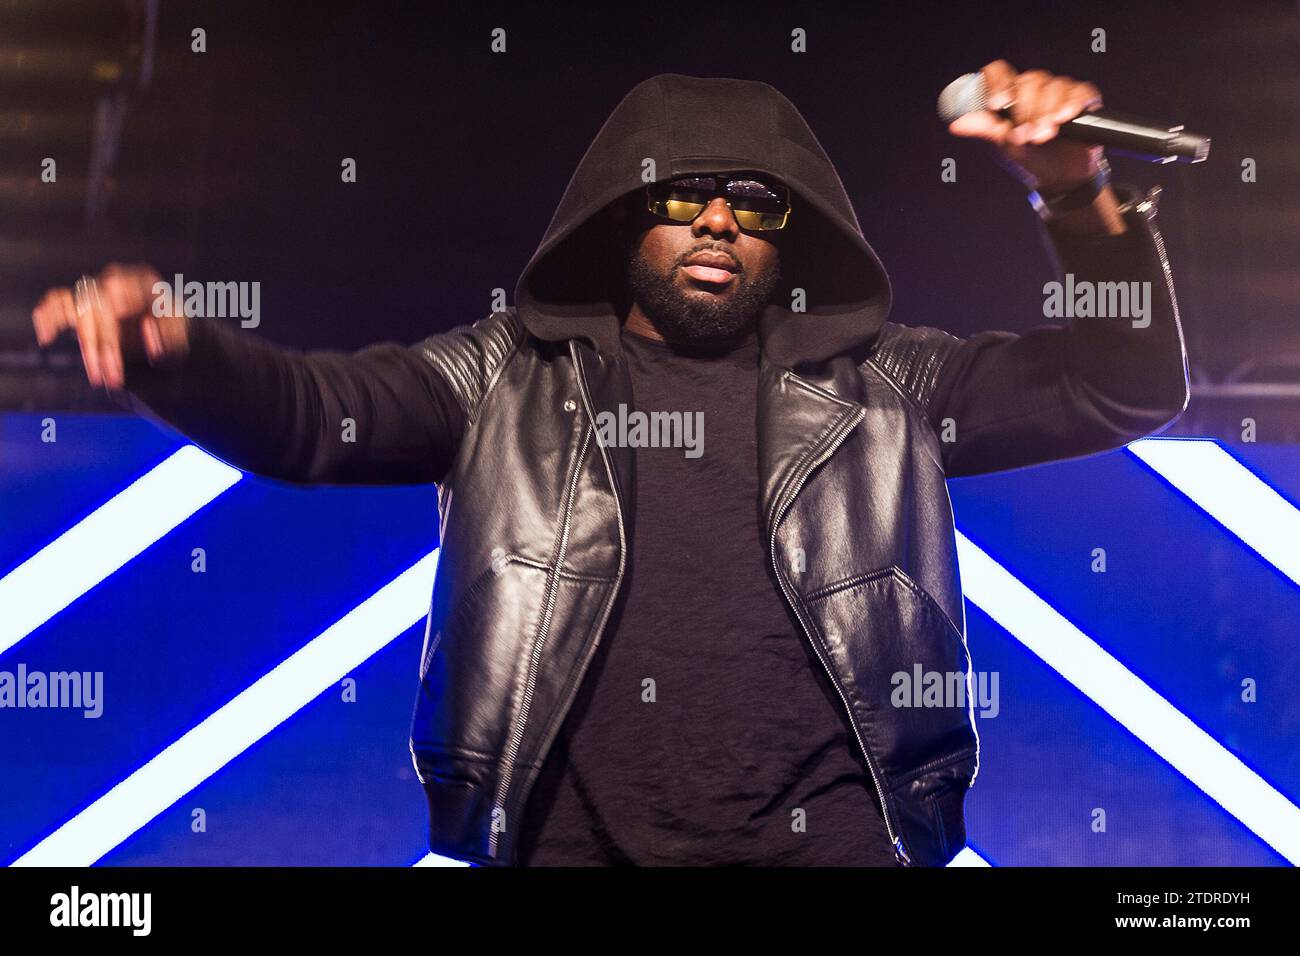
pixel 861 421
pixel 860 534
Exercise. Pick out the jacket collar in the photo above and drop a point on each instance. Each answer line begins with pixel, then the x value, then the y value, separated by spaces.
pixel 801 422
pixel 788 339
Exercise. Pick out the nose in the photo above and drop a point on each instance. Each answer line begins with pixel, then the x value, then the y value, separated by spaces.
pixel 716 219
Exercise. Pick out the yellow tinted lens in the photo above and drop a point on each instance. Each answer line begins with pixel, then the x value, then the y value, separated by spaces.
pixel 682 210
pixel 683 201
pixel 759 221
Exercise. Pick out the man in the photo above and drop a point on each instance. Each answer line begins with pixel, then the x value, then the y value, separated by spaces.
pixel 683 654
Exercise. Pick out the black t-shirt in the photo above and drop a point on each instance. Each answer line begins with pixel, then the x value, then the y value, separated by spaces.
pixel 706 731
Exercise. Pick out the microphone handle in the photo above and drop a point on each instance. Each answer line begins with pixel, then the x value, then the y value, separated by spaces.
pixel 1135 137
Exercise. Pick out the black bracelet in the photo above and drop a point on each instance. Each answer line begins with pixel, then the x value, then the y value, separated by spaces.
pixel 1079 197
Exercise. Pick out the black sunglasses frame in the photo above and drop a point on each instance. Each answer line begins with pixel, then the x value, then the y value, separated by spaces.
pixel 722 182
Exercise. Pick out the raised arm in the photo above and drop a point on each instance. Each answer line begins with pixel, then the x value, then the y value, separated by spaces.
pixel 1117 369
pixel 1001 400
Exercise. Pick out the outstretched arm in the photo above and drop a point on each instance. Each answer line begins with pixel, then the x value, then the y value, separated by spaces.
pixel 381 415
pixel 386 414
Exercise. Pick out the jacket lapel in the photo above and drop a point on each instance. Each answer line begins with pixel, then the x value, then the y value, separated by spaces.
pixel 800 424
pixel 607 383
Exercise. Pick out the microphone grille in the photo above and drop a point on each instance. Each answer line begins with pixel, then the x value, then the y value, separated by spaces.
pixel 963 95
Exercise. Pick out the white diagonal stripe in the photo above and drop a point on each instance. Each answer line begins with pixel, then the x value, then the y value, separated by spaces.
pixel 1123 695
pixel 237 725
pixel 1231 494
pixel 108 538
pixel 968 857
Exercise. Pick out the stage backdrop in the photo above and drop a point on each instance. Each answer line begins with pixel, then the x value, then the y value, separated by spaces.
pixel 245 656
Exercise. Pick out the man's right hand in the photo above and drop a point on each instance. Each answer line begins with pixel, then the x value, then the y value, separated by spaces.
pixel 114 320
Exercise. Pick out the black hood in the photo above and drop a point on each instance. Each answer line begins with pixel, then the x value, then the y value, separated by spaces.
pixel 573 284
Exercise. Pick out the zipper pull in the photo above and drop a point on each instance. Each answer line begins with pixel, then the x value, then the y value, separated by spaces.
pixel 900 853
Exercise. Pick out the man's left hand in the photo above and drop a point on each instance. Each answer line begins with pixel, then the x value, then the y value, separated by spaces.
pixel 1040 102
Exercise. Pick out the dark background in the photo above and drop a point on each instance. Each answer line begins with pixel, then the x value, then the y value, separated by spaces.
pixel 227 163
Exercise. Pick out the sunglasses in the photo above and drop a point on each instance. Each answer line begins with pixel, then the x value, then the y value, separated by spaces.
pixel 759 204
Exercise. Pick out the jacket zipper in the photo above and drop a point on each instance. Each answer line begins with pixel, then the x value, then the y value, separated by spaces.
pixel 553 587
pixel 622 544
pixel 805 470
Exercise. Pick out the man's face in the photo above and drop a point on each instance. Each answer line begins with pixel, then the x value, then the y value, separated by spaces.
pixel 698 302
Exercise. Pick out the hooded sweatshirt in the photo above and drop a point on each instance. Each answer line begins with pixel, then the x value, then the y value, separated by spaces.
pixel 671 125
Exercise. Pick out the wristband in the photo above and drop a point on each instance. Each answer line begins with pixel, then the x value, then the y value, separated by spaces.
pixel 1079 197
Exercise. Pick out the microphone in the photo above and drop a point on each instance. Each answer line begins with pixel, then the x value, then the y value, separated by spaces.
pixel 1154 142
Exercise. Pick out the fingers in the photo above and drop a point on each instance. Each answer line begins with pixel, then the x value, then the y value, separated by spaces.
pixel 54 314
pixel 981 124
pixel 1039 102
pixel 110 347
pixel 96 333
pixel 122 289
pixel 999 81
pixel 149 335
pixel 163 333
pixel 103 304
pixel 1044 102
pixel 128 291
pixel 1074 98
pixel 112 315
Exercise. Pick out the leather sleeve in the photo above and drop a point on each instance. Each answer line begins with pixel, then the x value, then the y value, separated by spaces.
pixel 1001 400
pixel 280 413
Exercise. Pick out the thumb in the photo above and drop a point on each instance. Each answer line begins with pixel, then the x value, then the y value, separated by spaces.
pixel 981 124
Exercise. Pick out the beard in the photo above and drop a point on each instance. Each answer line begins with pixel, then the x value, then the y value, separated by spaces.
pixel 698 318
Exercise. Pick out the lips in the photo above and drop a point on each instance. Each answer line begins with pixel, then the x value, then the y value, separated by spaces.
pixel 712 267
pixel 714 260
